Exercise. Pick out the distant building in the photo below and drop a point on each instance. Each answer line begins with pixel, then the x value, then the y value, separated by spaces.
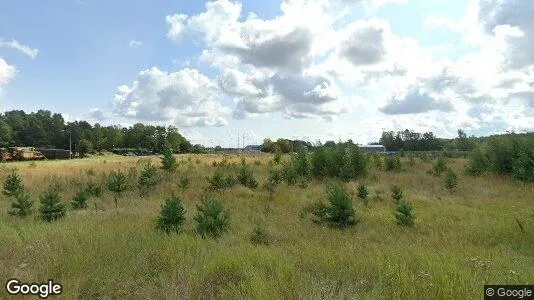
pixel 373 148
pixel 253 147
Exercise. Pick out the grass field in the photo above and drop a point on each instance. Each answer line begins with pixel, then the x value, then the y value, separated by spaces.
pixel 461 240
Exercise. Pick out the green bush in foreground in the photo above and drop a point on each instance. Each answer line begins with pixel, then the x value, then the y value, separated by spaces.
pixel 259 236
pixel 396 193
pixel 51 207
pixel 116 183
pixel 363 193
pixel 13 184
pixel 218 181
pixel 246 178
pixel 172 215
pixel 440 166
pixel 339 212
pixel 21 206
pixel 168 161
pixel 148 179
pixel 450 180
pixel 212 219
pixel 404 214
pixel 80 200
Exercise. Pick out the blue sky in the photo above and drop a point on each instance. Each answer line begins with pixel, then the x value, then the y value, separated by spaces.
pixel 297 69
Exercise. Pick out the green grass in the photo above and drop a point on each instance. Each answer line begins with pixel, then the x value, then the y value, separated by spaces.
pixel 460 241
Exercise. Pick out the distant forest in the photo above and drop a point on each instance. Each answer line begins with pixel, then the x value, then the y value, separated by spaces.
pixel 49 130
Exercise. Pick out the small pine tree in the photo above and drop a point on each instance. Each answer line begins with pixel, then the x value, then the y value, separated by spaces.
pixel 13 184
pixel 246 178
pixel 116 183
pixel 172 215
pixel 440 165
pixel 393 163
pixel 168 161
pixel 51 207
pixel 184 182
pixel 80 200
pixel 363 193
pixel 396 193
pixel 212 219
pixel 277 156
pixel 259 236
pixel 148 179
pixel 340 212
pixel 404 214
pixel 273 180
pixel 218 181
pixel 21 206
pixel 93 189
pixel 289 174
pixel 450 180
pixel 478 162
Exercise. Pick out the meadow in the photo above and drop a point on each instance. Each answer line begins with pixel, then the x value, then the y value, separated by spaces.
pixel 482 232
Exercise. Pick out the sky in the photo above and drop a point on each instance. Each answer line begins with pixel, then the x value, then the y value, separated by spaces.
pixel 315 70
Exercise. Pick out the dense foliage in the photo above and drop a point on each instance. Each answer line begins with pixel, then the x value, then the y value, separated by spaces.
pixel 46 129
pixel 172 215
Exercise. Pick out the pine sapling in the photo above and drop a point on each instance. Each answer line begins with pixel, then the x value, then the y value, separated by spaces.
pixel 212 219
pixel 396 193
pixel 51 207
pixel 363 193
pixel 13 184
pixel 116 183
pixel 450 180
pixel 172 215
pixel 80 200
pixel 22 205
pixel 404 214
pixel 168 161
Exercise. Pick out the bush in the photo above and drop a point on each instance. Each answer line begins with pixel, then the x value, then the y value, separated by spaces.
pixel 116 183
pixel 93 189
pixel 218 181
pixel 392 163
pixel 404 214
pixel 339 213
pixel 184 182
pixel 212 219
pixel 13 184
pixel 301 164
pixel 172 215
pixel 148 179
pixel 440 166
pixel 450 180
pixel 168 161
pixel 246 178
pixel 396 193
pixel 259 236
pixel 478 163
pixel 363 193
pixel 319 163
pixel 51 207
pixel 277 156
pixel 273 179
pixel 80 200
pixel 289 174
pixel 21 206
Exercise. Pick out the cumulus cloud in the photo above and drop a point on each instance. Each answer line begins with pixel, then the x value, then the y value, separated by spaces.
pixel 97 114
pixel 176 26
pixel 7 72
pixel 14 44
pixel 185 97
pixel 415 102
pixel 365 44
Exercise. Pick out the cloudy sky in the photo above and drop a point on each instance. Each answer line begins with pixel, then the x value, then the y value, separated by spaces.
pixel 307 69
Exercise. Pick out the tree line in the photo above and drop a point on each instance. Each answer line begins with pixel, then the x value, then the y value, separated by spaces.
pixel 49 130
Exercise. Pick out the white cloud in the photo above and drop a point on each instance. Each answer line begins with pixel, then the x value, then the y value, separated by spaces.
pixel 134 43
pixel 97 114
pixel 7 72
pixel 176 23
pixel 185 97
pixel 415 102
pixel 14 44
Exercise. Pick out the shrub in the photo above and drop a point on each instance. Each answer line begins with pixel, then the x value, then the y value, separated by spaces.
pixel 404 214
pixel 259 236
pixel 218 181
pixel 80 200
pixel 93 189
pixel 51 207
pixel 478 163
pixel 168 161
pixel 21 206
pixel 523 166
pixel 289 174
pixel 340 213
pixel 440 166
pixel 184 182
pixel 246 178
pixel 363 193
pixel 116 183
pixel 148 179
pixel 392 163
pixel 396 193
pixel 212 219
pixel 13 184
pixel 273 179
pixel 172 215
pixel 450 180
pixel 319 162
pixel 301 164
pixel 277 156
